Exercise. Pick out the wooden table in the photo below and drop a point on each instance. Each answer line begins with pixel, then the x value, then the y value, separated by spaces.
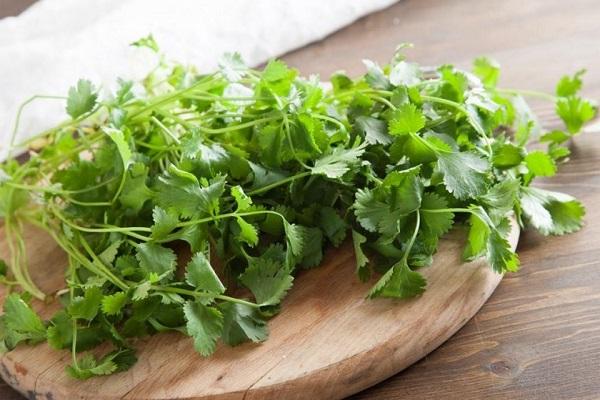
pixel 538 337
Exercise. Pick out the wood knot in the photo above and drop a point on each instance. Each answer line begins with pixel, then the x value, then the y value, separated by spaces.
pixel 503 368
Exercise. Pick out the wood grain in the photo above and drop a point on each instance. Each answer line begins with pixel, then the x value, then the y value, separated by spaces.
pixel 328 342
pixel 537 337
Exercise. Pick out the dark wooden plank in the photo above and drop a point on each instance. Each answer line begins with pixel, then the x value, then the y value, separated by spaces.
pixel 10 8
pixel 537 336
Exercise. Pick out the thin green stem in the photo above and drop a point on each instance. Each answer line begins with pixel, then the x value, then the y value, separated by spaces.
pixel 278 183
pixel 529 93
pixel 195 294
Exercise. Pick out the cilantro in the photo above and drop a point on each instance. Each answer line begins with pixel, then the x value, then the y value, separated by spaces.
pixel 201 275
pixel 20 322
pixel 162 194
pixel 406 119
pixel 204 324
pixel 147 42
pixel 464 173
pixel 81 99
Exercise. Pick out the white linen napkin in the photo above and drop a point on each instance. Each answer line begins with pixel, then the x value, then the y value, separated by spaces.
pixel 50 46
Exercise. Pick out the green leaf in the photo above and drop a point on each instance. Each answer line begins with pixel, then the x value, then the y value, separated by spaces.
pixel 164 223
pixel 201 275
pixel 435 223
pixel 405 74
pixel 369 211
pixel 312 250
pixel 551 213
pixel 248 232
pixel 241 199
pixel 375 76
pixel 81 99
pixel 135 192
pixel 108 255
pixel 334 226
pixel 268 281
pixel 570 86
pixel 362 262
pixel 500 255
pixel 232 66
pixel 147 42
pixel 507 156
pixel 575 111
pixel 405 190
pixel 296 237
pixel 373 130
pixel 154 258
pixel 464 174
pixel 399 282
pixel 20 322
pixel 242 323
pixel 181 192
pixel 204 324
pixel 540 163
pixel 502 196
pixel 88 367
pixel 406 119
pixel 113 304
pixel 338 162
pixel 487 70
pixel 86 306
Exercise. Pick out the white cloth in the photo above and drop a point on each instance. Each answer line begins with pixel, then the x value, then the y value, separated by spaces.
pixel 50 46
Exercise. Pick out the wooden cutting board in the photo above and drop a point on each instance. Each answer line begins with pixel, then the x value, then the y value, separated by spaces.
pixel 327 343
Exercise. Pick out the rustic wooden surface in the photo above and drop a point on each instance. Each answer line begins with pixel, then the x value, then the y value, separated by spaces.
pixel 328 342
pixel 537 336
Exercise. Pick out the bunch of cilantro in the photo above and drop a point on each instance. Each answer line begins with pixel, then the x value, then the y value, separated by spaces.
pixel 189 201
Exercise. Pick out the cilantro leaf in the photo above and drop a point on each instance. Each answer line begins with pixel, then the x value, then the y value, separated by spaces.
pixel 334 227
pixel 374 130
pixel 551 213
pixel 405 74
pixel 570 86
pixel 82 98
pixel 487 70
pixel 436 223
pixel 406 119
pixel 242 200
pixel 268 281
pixel 362 262
pixel 336 164
pixel 20 322
pixel 86 306
pixel 201 275
pixel 399 281
pixel 164 222
pixel 540 163
pixel 113 304
pixel 242 323
pixel 204 324
pixel 464 173
pixel 575 111
pixel 154 258
pixel 147 42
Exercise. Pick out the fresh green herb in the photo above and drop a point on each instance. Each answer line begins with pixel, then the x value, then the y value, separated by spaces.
pixel 257 173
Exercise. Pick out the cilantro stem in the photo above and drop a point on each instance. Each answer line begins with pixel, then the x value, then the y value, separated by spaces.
pixel 413 237
pixel 237 127
pixel 530 93
pixel 195 294
pixel 278 183
pixel 125 230
pixel 18 118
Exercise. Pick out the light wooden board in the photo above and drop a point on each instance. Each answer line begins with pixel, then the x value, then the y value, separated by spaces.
pixel 328 342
